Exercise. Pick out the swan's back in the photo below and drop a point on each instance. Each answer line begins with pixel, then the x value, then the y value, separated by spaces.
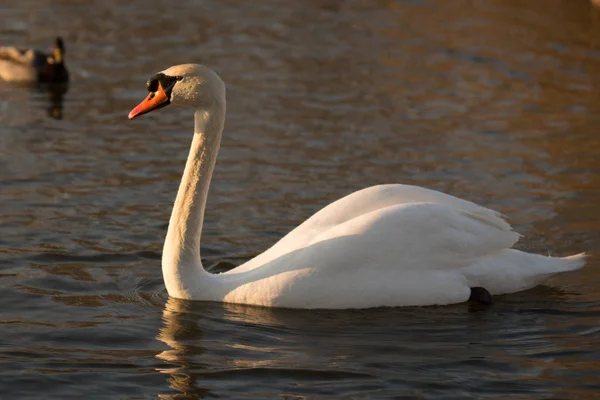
pixel 390 245
pixel 331 219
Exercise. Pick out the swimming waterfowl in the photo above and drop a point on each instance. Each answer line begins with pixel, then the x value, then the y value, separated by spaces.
pixel 30 65
pixel 386 245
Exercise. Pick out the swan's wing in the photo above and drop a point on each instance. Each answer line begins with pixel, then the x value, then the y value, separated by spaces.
pixel 414 236
pixel 381 196
pixel 361 203
pixel 405 237
pixel 407 254
pixel 364 202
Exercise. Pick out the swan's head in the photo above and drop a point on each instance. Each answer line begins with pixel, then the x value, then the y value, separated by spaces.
pixel 190 85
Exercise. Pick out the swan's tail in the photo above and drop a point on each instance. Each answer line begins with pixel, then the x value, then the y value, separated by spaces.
pixel 538 268
pixel 512 270
pixel 570 263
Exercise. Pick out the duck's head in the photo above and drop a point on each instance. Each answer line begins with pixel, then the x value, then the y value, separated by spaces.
pixel 190 85
pixel 58 53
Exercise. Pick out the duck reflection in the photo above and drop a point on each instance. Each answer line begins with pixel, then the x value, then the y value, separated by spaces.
pixel 44 71
pixel 56 93
pixel 51 96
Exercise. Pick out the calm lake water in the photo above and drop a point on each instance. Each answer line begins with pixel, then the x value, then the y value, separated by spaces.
pixel 495 101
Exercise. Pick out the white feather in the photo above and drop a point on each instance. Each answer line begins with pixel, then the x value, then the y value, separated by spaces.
pixel 387 245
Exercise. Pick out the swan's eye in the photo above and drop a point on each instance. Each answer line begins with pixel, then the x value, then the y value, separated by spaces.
pixel 179 78
pixel 152 85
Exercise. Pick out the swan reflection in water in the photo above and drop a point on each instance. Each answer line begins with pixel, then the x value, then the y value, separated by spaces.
pixel 186 339
pixel 217 350
pixel 180 331
pixel 216 347
pixel 229 344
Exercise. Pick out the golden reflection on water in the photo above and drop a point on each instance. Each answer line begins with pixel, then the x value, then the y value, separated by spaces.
pixel 495 101
pixel 488 79
pixel 537 345
pixel 521 82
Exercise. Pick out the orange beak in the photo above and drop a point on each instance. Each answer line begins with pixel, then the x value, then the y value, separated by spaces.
pixel 153 101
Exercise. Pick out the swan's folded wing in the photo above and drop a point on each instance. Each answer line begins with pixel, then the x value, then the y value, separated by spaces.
pixel 415 236
pixel 394 225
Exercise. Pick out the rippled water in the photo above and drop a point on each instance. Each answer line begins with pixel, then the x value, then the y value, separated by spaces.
pixel 495 101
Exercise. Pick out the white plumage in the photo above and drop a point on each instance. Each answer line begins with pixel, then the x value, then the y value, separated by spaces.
pixel 387 245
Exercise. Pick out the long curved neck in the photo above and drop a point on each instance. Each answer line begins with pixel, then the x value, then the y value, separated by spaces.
pixel 181 262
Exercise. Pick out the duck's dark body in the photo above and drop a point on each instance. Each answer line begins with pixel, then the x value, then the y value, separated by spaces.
pixel 30 65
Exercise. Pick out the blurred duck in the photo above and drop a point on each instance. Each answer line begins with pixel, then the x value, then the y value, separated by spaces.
pixel 30 65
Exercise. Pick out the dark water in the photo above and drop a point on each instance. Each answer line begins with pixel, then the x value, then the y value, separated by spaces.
pixel 495 101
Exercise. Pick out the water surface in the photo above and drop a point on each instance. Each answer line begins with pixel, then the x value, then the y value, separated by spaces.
pixel 493 101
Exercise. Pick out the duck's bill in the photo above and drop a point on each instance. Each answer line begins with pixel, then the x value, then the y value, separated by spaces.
pixel 153 101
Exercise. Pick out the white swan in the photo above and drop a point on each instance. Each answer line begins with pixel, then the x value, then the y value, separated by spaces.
pixel 388 245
